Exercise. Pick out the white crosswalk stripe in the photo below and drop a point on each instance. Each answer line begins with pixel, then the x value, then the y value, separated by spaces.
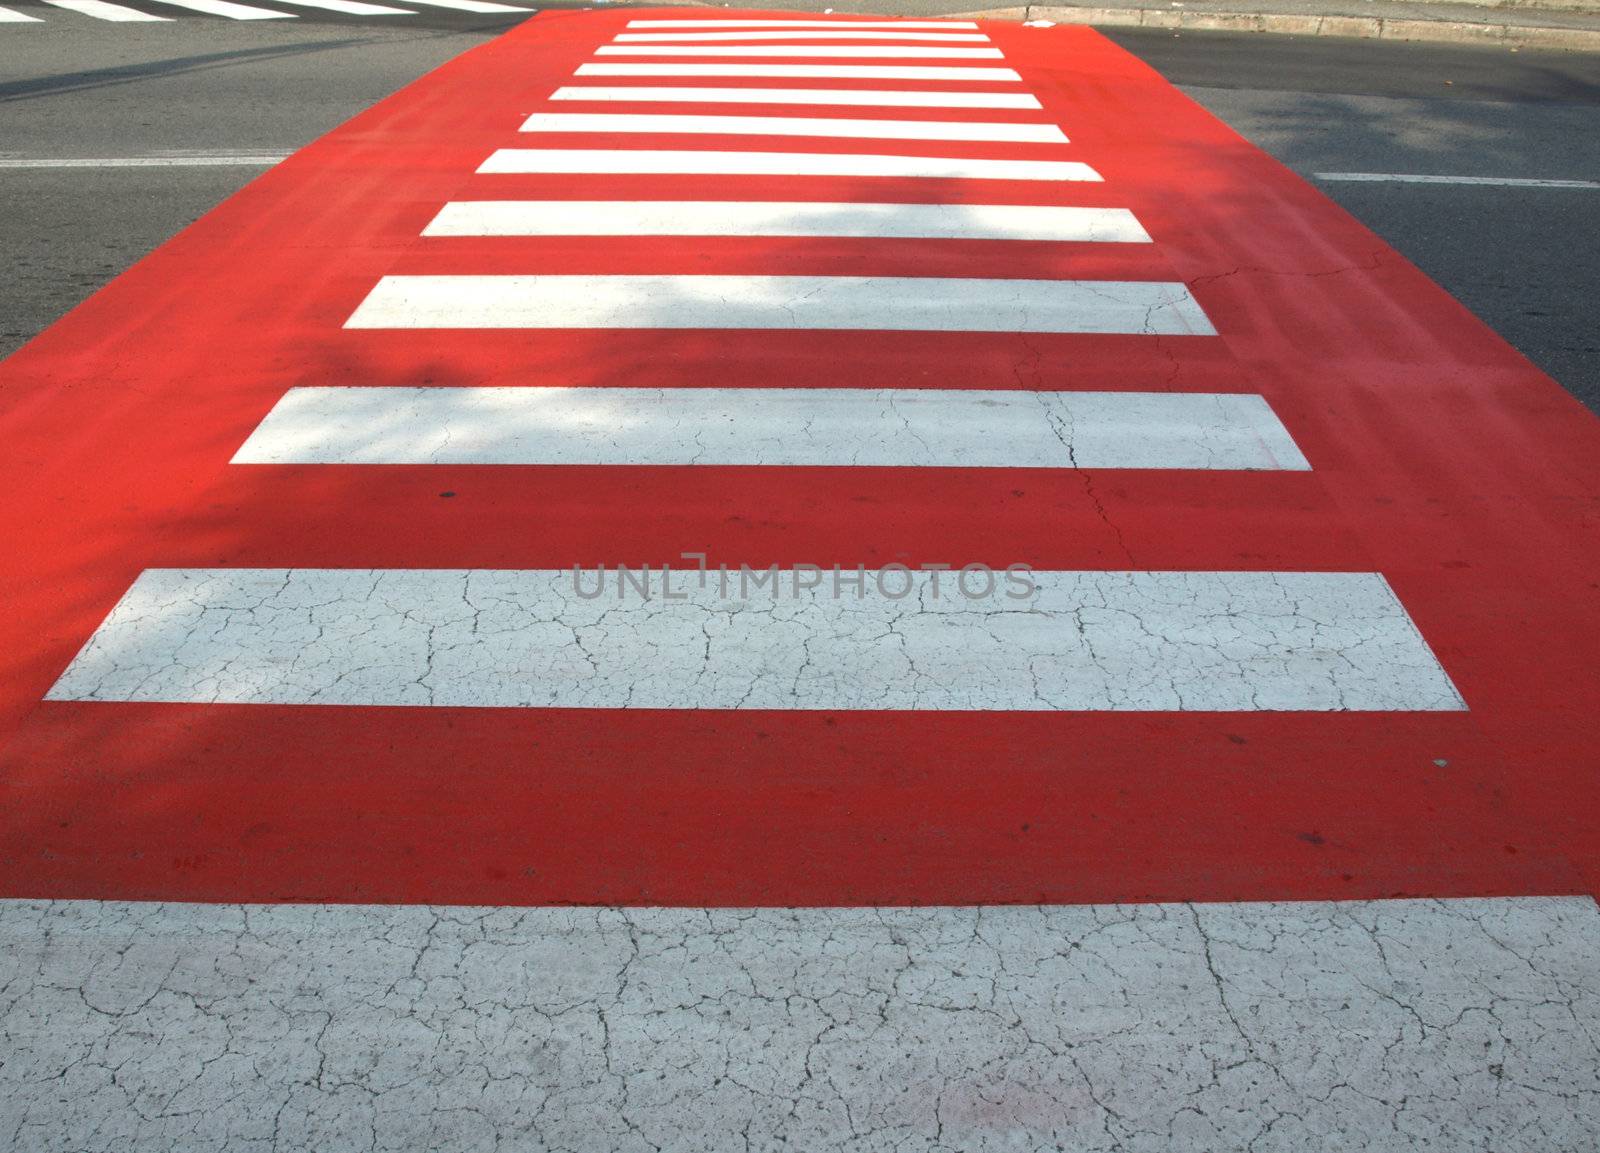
pixel 802 24
pixel 228 8
pixel 641 94
pixel 886 51
pixel 795 126
pixel 104 10
pixel 665 162
pixel 349 7
pixel 9 16
pixel 974 73
pixel 683 37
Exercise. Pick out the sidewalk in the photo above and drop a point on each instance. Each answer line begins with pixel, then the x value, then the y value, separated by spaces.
pixel 1571 28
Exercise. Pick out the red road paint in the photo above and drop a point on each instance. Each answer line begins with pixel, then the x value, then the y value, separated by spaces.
pixel 1442 459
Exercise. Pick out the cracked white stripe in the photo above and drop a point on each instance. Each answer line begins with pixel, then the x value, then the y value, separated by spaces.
pixel 854 96
pixel 949 428
pixel 830 126
pixel 886 303
pixel 528 638
pixel 1382 1026
pixel 785 218
pixel 697 162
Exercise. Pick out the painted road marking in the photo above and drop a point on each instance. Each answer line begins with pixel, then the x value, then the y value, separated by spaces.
pixel 877 303
pixel 778 218
pixel 9 16
pixel 670 37
pixel 641 161
pixel 102 10
pixel 473 5
pixel 352 7
pixel 886 51
pixel 935 428
pixel 229 10
pixel 505 638
pixel 1494 181
pixel 859 96
pixel 795 126
pixel 805 71
pixel 223 160
pixel 1326 1013
pixel 802 24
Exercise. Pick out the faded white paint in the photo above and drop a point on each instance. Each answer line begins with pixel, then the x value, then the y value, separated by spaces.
pixel 785 218
pixel 1081 641
pixel 872 303
pixel 844 128
pixel 909 428
pixel 695 162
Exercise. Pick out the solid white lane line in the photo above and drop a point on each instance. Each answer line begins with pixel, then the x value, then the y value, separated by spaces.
pixel 802 24
pixel 887 51
pixel 8 16
pixel 874 303
pixel 103 10
pixel 777 218
pixel 973 73
pixel 1492 181
pixel 229 10
pixel 473 5
pixel 901 428
pixel 667 162
pixel 853 96
pixel 221 160
pixel 1040 641
pixel 1398 1025
pixel 795 126
pixel 689 37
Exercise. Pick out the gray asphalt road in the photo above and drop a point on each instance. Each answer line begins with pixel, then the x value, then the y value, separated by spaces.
pixel 1525 259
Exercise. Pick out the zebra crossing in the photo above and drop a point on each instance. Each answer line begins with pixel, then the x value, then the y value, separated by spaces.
pixel 953 571
pixel 166 11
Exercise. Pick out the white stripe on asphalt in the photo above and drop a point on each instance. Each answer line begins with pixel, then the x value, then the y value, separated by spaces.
pixel 473 5
pixel 351 7
pixel 770 218
pixel 1493 181
pixel 886 51
pixel 876 303
pixel 902 428
pixel 806 71
pixel 802 24
pixel 1396 1025
pixel 7 16
pixel 102 10
pixel 659 163
pixel 220 160
pixel 682 37
pixel 795 126
pixel 1006 641
pixel 228 9
pixel 861 96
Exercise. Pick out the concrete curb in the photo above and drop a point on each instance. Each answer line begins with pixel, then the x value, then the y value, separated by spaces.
pixel 1355 27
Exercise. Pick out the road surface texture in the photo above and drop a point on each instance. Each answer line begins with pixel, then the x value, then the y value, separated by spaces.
pixel 729 585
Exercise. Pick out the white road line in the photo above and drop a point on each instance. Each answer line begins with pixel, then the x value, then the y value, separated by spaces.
pixel 102 10
pixel 973 73
pixel 1043 641
pixel 802 24
pixel 352 7
pixel 8 16
pixel 872 303
pixel 795 126
pixel 853 96
pixel 1396 1024
pixel 901 428
pixel 228 9
pixel 1493 181
pixel 686 37
pixel 473 5
pixel 885 52
pixel 221 160
pixel 654 162
pixel 776 218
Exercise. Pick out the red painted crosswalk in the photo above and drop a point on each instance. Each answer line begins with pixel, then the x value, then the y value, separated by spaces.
pixel 297 501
